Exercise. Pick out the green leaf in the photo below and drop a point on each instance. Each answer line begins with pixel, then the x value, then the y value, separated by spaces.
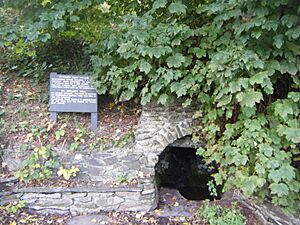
pixel 258 78
pixel 278 40
pixel 249 98
pixel 225 100
pixel 293 134
pixel 240 159
pixel 279 189
pixel 177 7
pixel 266 149
pixel 163 99
pixel 58 23
pixel 159 4
pixel 283 108
pixel 200 151
pixel 145 67
pixel 74 18
pixel 250 184
pixel 175 60
pixel 295 96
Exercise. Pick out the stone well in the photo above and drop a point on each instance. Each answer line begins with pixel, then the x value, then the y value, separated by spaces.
pixel 158 128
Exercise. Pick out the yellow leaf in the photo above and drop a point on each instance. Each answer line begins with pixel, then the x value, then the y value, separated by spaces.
pixel 111 105
pixel 60 171
pixel 45 2
pixel 12 223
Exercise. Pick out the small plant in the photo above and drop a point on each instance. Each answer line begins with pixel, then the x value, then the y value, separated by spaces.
pixel 212 189
pixel 39 165
pixel 15 206
pixel 81 133
pixel 125 139
pixel 121 178
pixel 67 173
pixel 218 215
pixel 60 132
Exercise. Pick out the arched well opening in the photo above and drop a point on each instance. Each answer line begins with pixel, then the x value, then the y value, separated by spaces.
pixel 180 168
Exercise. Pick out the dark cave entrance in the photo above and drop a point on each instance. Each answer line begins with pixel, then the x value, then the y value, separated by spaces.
pixel 180 168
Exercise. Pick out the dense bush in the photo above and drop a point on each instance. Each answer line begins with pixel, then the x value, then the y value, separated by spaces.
pixel 238 59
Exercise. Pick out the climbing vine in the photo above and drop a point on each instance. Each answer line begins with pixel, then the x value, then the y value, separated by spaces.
pixel 240 61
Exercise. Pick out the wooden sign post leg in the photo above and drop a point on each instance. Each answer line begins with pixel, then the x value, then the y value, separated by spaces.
pixel 94 120
pixel 53 117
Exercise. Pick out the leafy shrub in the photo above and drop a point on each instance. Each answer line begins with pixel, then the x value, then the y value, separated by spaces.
pixel 240 61
pixel 218 215
pixel 41 36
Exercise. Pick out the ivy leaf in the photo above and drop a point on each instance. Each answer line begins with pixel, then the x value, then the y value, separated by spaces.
pixel 288 67
pixel 145 67
pixel 240 159
pixel 177 7
pixel 163 99
pixel 169 76
pixel 58 23
pixel 249 98
pixel 293 134
pixel 283 109
pixel 250 185
pixel 258 78
pixel 159 4
pixel 225 100
pixel 278 40
pixel 279 189
pixel 74 18
pixel 146 99
pixel 266 149
pixel 295 96
pixel 175 60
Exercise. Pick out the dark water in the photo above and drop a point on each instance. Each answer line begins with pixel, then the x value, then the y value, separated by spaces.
pixel 182 169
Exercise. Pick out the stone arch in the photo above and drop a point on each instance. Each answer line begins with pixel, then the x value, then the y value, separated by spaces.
pixel 159 127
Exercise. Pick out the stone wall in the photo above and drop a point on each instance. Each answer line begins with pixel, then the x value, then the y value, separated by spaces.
pixel 82 200
pixel 158 127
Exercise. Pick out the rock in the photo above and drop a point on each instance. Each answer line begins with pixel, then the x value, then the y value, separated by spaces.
pixel 266 212
pixel 90 220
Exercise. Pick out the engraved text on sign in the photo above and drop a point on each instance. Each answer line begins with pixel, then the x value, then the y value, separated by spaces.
pixel 72 93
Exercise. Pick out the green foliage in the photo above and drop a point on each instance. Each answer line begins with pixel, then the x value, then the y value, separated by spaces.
pixel 121 178
pixel 39 166
pixel 218 215
pixel 67 173
pixel 42 164
pixel 240 61
pixel 14 207
pixel 41 36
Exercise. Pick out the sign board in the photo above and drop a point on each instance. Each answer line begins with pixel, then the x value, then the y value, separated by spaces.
pixel 72 93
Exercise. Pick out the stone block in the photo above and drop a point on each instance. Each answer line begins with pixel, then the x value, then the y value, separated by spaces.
pixel 132 165
pixel 64 203
pixel 74 195
pixel 114 200
pixel 100 198
pixel 111 160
